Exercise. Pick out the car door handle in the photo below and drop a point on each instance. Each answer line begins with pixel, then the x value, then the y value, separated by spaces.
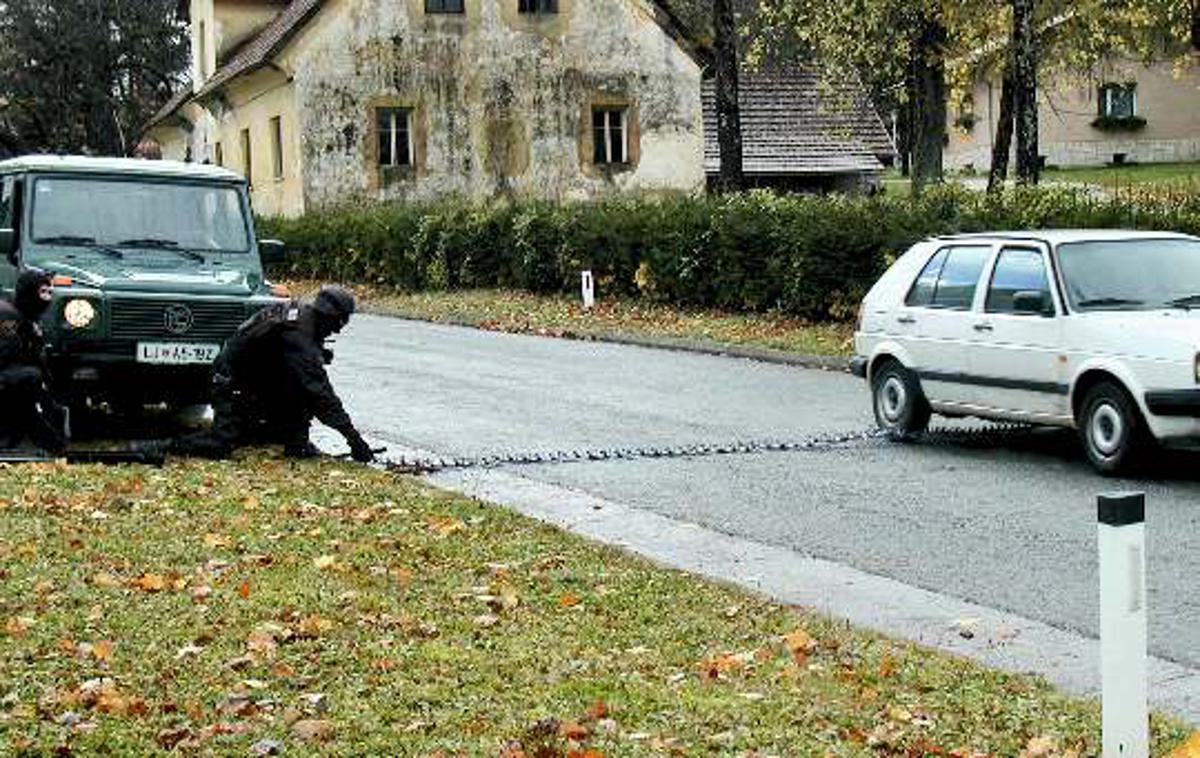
pixel 983 327
pixel 906 320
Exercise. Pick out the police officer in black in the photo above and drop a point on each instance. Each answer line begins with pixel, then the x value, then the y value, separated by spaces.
pixel 27 409
pixel 269 382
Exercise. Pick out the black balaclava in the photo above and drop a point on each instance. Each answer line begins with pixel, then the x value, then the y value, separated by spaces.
pixel 31 297
pixel 332 310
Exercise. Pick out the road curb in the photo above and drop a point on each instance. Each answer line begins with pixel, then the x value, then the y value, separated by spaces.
pixel 702 347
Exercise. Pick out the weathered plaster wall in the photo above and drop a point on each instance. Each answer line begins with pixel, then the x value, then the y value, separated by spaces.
pixel 501 103
pixel 251 102
pixel 1169 103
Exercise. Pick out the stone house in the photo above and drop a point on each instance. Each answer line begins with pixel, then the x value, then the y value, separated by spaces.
pixel 1128 111
pixel 320 101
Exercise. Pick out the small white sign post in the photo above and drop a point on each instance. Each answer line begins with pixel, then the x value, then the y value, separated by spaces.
pixel 1123 671
pixel 588 285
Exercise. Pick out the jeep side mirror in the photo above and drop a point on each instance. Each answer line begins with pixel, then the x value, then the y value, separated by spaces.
pixel 1032 303
pixel 8 245
pixel 272 251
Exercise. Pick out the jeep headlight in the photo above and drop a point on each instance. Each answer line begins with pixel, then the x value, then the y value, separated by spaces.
pixel 79 313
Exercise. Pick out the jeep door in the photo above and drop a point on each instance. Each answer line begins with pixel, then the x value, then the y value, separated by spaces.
pixel 1015 339
pixel 934 321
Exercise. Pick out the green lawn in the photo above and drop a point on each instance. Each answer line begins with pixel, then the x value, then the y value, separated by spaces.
pixel 555 315
pixel 320 608
pixel 1148 175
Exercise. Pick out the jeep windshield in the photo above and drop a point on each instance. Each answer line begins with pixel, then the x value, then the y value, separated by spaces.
pixel 1135 274
pixel 138 215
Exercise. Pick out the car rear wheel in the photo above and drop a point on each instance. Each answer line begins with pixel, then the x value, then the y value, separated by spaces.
pixel 900 406
pixel 1111 428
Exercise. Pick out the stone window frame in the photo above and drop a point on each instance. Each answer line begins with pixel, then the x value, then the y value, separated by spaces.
pixel 245 142
pixel 537 7
pixel 553 24
pixel 440 7
pixel 632 134
pixel 380 176
pixel 1108 89
pixel 394 130
pixel 275 132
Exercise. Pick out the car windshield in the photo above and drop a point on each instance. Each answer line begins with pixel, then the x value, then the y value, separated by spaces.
pixel 1142 274
pixel 139 214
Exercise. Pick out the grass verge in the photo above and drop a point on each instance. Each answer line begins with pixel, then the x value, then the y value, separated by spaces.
pixel 262 606
pixel 558 316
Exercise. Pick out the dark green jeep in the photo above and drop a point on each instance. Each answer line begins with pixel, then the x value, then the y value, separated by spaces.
pixel 155 265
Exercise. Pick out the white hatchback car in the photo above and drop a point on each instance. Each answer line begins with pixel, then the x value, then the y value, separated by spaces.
pixel 1093 330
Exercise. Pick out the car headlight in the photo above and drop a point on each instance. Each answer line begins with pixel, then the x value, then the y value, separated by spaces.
pixel 79 314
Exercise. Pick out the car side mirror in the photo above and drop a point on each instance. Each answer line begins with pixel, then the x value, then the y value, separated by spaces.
pixel 1032 303
pixel 272 251
pixel 8 245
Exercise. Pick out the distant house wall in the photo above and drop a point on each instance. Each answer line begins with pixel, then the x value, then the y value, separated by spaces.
pixel 501 104
pixel 1170 105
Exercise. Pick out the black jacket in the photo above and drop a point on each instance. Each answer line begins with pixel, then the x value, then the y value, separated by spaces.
pixel 21 340
pixel 276 358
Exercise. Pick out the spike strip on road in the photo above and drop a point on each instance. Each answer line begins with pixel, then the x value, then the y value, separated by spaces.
pixel 432 464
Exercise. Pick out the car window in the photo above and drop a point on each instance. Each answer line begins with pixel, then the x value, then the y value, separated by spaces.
pixel 6 203
pixel 923 288
pixel 960 277
pixel 1017 270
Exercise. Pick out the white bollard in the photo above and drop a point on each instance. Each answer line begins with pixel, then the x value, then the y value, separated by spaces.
pixel 589 290
pixel 1123 672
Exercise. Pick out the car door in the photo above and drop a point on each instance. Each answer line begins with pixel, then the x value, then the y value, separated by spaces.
pixel 1014 347
pixel 934 323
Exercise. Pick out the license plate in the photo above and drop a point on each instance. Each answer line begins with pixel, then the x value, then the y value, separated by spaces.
pixel 176 353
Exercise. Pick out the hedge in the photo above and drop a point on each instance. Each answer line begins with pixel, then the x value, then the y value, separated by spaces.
pixel 806 255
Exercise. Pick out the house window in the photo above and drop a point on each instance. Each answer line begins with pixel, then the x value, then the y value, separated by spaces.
pixel 277 147
pixel 537 6
pixel 202 47
pixel 444 6
pixel 247 162
pixel 610 136
pixel 395 136
pixel 219 154
pixel 1118 100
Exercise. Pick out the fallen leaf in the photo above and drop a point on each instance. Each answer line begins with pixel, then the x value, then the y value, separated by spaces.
pixel 102 651
pixel 325 562
pixel 310 730
pixel 104 579
pixel 800 645
pixel 150 583
pixel 19 625
pixel 486 620
pixel 201 592
pixel 568 600
pixel 244 589
pixel 573 731
pixel 266 747
pixel 168 739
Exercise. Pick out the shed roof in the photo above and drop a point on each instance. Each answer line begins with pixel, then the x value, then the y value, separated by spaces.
pixel 796 122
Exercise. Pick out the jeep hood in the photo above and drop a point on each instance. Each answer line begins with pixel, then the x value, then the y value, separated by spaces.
pixel 156 275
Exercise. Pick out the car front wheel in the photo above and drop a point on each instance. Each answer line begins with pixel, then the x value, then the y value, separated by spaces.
pixel 900 406
pixel 1111 429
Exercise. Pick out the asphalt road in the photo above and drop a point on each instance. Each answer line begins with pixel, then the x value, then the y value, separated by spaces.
pixel 1007 522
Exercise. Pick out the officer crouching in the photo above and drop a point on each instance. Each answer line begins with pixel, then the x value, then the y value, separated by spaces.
pixel 29 411
pixel 269 382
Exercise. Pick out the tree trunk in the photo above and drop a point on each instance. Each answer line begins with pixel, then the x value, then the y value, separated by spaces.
pixel 929 103
pixel 1004 133
pixel 904 124
pixel 1025 107
pixel 1196 24
pixel 729 118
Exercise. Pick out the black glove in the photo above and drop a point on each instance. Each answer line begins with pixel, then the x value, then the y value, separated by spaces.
pixel 326 355
pixel 359 449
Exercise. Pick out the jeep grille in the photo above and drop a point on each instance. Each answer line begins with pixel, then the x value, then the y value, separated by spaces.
pixel 151 319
